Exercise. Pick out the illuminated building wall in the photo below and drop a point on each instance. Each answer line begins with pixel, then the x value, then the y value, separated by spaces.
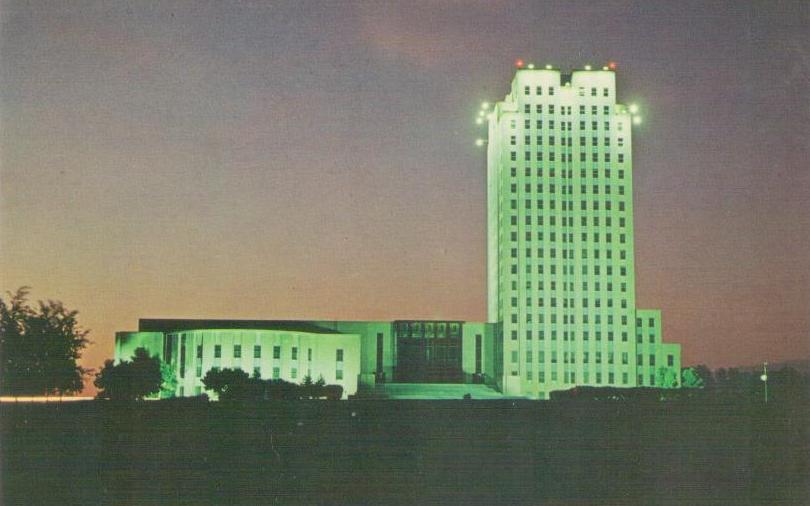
pixel 347 353
pixel 561 277
pixel 287 354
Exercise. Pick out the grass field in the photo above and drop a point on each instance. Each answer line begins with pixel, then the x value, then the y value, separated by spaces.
pixel 404 452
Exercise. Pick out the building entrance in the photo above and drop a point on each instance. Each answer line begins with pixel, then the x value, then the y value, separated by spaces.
pixel 428 351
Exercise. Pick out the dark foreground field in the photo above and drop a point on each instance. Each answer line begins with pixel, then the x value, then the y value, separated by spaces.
pixel 404 452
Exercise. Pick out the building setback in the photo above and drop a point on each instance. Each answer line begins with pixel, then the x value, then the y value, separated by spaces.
pixel 560 274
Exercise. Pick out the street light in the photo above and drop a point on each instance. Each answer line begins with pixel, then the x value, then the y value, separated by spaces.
pixel 764 379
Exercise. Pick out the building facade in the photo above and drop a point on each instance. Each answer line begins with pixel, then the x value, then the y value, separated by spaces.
pixel 352 354
pixel 561 298
pixel 561 272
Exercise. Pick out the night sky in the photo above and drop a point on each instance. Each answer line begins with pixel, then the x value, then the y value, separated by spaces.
pixel 317 160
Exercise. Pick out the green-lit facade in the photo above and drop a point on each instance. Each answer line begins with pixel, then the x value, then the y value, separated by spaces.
pixel 352 354
pixel 561 273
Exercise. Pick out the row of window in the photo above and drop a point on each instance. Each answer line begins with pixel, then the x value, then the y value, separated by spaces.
pixel 539 155
pixel 564 190
pixel 566 269
pixel 564 110
pixel 570 335
pixel 570 377
pixel 569 221
pixel 566 174
pixel 585 358
pixel 527 140
pixel 566 126
pixel 257 352
pixel 570 318
pixel 538 90
pixel 527 124
pixel 566 286
pixel 569 173
pixel 552 204
pixel 567 302
pixel 650 322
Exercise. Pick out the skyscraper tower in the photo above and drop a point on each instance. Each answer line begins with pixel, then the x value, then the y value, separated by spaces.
pixel 560 266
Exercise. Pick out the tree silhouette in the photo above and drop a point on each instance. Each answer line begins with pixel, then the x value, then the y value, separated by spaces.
pixel 39 347
pixel 691 379
pixel 168 383
pixel 131 380
pixel 705 375
pixel 226 383
pixel 666 377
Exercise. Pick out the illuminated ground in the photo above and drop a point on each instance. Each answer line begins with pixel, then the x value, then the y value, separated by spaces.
pixel 404 452
pixel 426 391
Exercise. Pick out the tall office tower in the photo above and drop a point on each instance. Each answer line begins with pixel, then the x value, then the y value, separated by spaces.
pixel 561 280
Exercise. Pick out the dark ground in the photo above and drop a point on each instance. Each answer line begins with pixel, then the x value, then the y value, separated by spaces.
pixel 405 452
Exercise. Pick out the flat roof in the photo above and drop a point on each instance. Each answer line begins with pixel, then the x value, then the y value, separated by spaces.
pixel 174 325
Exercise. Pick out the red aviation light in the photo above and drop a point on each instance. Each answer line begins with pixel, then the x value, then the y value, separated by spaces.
pixel 612 65
pixel 519 63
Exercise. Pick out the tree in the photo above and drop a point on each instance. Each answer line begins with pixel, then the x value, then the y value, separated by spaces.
pixel 39 347
pixel 226 383
pixel 307 389
pixel 130 380
pixel 168 383
pixel 706 375
pixel 691 379
pixel 666 377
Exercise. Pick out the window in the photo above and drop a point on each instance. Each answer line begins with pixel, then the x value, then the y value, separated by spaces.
pixel 276 373
pixel 514 357
pixel 294 373
pixel 257 351
pixel 237 351
pixel 339 374
pixel 670 360
pixel 276 352
pixel 257 372
pixel 217 351
pixel 199 351
pixel 295 353
pixel 652 359
pixel 309 354
pixel 339 355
